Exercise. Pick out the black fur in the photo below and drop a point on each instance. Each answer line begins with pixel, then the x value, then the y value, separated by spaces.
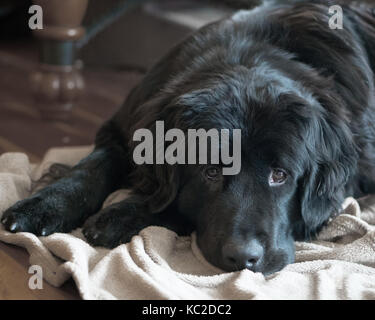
pixel 303 96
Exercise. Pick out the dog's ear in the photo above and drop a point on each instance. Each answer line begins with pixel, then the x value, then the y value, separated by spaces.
pixel 333 160
pixel 168 182
pixel 157 182
pixel 318 203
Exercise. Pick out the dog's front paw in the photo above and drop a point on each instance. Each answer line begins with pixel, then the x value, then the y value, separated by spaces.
pixel 113 226
pixel 37 215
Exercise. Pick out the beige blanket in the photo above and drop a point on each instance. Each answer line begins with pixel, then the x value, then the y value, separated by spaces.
pixel 157 264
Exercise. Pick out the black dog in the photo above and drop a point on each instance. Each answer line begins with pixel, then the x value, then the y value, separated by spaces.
pixel 303 96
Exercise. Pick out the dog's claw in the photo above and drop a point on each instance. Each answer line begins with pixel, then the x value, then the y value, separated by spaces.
pixel 43 233
pixel 13 227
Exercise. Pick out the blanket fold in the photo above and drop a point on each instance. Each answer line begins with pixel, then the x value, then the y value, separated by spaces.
pixel 158 264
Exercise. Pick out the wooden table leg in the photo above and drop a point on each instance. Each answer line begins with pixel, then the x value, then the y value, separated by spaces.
pixel 57 83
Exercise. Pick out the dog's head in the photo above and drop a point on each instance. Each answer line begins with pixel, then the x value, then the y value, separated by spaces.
pixel 297 154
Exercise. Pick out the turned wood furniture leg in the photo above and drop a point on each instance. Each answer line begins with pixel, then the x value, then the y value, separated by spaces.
pixel 58 83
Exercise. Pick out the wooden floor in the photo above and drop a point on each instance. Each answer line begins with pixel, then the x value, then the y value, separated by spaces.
pixel 21 127
pixel 22 130
pixel 14 279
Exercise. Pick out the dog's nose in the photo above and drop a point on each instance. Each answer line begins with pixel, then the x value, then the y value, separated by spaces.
pixel 238 256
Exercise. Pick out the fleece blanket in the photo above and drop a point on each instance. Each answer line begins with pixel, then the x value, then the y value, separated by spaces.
pixel 157 264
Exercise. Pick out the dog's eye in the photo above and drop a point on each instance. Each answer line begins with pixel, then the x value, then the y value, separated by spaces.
pixel 277 177
pixel 212 173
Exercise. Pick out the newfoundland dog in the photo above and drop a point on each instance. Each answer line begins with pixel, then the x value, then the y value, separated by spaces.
pixel 302 94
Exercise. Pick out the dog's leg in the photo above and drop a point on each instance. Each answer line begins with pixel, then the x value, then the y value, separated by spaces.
pixel 118 222
pixel 65 204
